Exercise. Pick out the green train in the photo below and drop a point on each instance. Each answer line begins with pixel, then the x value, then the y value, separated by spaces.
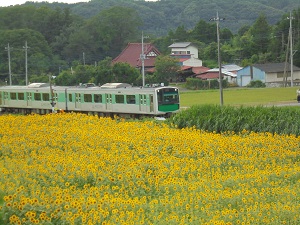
pixel 107 100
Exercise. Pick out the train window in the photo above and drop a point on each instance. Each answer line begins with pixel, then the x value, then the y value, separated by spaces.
pixel 37 96
pixel 119 98
pixel 143 99
pixel 130 99
pixel 170 98
pixel 70 98
pixel 87 97
pixel 108 98
pixel 98 98
pixel 159 97
pixel 54 96
pixel 21 96
pixel 13 96
pixel 45 96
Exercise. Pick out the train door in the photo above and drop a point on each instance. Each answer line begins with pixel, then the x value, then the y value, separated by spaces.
pixel 143 103
pixel 151 103
pixel 77 101
pixel 108 102
pixel 6 98
pixel 29 99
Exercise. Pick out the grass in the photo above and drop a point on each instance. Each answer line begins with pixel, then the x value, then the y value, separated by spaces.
pixel 240 96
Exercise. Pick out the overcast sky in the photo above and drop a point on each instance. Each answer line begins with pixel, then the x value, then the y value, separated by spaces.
pixel 19 2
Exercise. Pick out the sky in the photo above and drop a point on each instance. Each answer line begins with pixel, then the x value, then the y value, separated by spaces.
pixel 4 3
pixel 19 2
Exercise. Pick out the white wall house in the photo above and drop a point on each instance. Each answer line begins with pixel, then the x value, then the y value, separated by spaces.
pixel 187 53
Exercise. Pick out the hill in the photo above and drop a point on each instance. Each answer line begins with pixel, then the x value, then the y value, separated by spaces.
pixel 165 15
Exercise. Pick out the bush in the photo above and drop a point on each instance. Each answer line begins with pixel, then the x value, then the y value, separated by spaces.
pixel 256 84
pixel 198 84
pixel 215 118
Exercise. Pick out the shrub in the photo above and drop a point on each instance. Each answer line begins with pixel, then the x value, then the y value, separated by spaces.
pixel 198 84
pixel 256 84
pixel 215 118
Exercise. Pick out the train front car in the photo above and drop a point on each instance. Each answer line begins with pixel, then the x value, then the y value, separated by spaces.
pixel 167 100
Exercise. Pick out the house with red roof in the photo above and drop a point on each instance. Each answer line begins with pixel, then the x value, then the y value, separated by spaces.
pixel 132 55
pixel 213 74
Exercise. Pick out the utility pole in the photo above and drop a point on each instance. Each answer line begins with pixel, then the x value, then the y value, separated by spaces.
pixel 291 48
pixel 143 57
pixel 9 66
pixel 217 19
pixel 83 56
pixel 26 64
pixel 52 102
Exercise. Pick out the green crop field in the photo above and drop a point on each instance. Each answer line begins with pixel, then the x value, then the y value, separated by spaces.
pixel 240 96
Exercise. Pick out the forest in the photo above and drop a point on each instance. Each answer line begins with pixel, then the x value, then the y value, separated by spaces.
pixel 76 42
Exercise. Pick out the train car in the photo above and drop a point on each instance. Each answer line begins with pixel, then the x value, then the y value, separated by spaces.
pixel 107 100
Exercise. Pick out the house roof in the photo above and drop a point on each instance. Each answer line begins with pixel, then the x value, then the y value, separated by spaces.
pixel 211 75
pixel 180 45
pixel 275 67
pixel 132 55
pixel 225 72
pixel 185 67
pixel 182 59
pixel 214 74
pixel 231 67
pixel 200 69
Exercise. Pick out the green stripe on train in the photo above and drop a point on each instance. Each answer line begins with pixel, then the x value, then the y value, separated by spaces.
pixel 168 108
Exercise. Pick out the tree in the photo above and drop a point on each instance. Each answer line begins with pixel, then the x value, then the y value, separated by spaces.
pixel 180 34
pixel 105 34
pixel 204 32
pixel 211 51
pixel 104 71
pixel 39 53
pixel 66 78
pixel 49 22
pixel 260 31
pixel 225 35
pixel 243 30
pixel 124 73
pixel 166 69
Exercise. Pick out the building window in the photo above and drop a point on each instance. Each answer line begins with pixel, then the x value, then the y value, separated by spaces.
pixel 281 75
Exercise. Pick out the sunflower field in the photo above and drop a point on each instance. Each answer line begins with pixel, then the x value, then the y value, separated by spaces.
pixel 81 169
